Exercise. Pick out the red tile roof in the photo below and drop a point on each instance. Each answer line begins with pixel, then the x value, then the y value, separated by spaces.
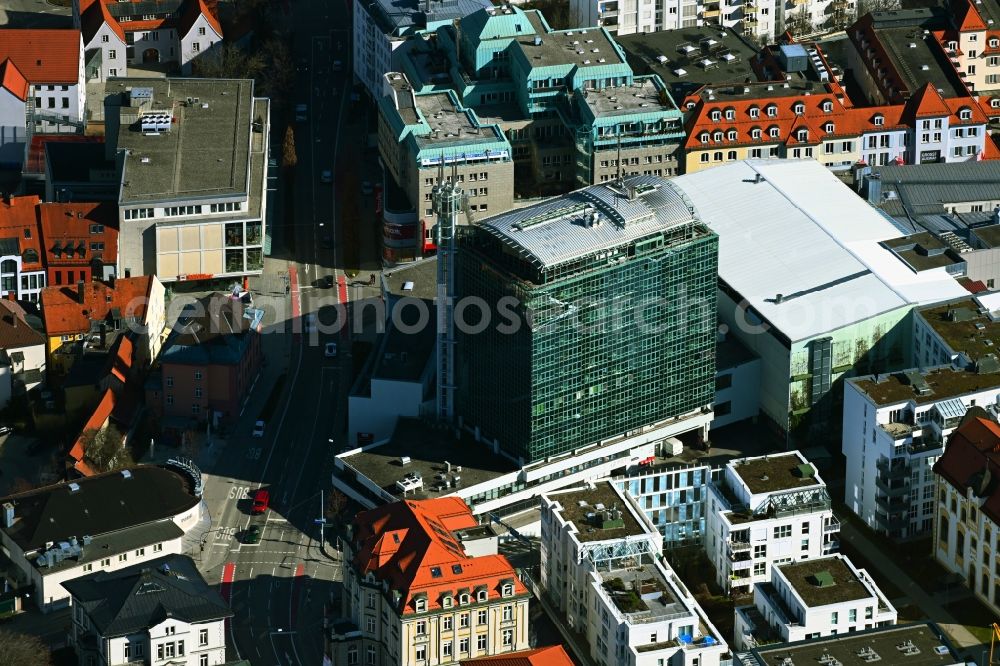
pixel 192 11
pixel 967 17
pixel 95 14
pixel 18 221
pixel 972 459
pixel 43 56
pixel 926 102
pixel 12 79
pixel 97 419
pixel 552 655
pixel 15 331
pixel 64 314
pixel 410 545
pixel 70 224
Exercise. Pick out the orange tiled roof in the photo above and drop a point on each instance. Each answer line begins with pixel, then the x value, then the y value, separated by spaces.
pixel 64 314
pixel 192 11
pixel 12 79
pixel 94 13
pixel 967 17
pixel 410 545
pixel 97 419
pixel 552 655
pixel 18 221
pixel 43 56
pixel 70 223
pixel 927 102
pixel 973 451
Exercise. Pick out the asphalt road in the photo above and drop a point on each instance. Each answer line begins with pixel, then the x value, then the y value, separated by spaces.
pixel 279 586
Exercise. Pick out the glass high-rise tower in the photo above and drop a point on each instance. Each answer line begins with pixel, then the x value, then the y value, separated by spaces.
pixel 602 317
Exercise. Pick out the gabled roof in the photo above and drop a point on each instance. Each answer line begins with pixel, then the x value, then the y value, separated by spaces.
pixel 133 599
pixel 212 331
pixel 410 545
pixel 95 14
pixel 13 80
pixel 19 230
pixel 192 10
pixel 43 56
pixel 102 504
pixel 15 332
pixel 972 460
pixel 65 314
pixel 69 225
pixel 967 18
pixel 926 102
pixel 551 655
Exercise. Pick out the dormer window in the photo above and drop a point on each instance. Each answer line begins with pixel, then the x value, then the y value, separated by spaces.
pixel 731 135
pixel 481 595
pixel 704 137
pixel 879 119
pixel 994 43
pixel 827 106
pixel 952 45
pixel 716 115
pixel 446 602
pixel 799 108
pixel 772 111
pixel 802 135
pixel 773 131
pixel 717 137
pixel 463 599
pixel 730 114
pixel 755 133
pixel 420 605
pixel 995 103
pixel 828 128
pixel 754 112
pixel 965 113
pixel 508 590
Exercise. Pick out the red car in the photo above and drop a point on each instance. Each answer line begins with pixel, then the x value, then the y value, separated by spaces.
pixel 260 501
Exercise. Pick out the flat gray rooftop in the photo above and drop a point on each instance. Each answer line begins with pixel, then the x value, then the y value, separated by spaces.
pixel 581 508
pixel 933 649
pixel 795 87
pixel 768 474
pixel 564 48
pixel 731 353
pixel 922 251
pixel 448 124
pixel 918 60
pixel 642 97
pixel 204 153
pixel 419 276
pixel 682 72
pixel 429 450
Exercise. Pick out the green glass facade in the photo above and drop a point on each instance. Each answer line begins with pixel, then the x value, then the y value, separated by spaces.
pixel 618 338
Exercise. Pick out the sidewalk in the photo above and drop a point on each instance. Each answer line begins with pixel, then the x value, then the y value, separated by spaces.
pixel 960 636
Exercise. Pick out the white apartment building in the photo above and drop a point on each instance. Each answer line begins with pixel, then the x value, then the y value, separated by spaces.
pixel 424 586
pixel 161 611
pixel 60 532
pixel 192 201
pixel 602 569
pixel 895 428
pixel 812 599
pixel 626 17
pixel 967 523
pixel 765 511
pixel 960 332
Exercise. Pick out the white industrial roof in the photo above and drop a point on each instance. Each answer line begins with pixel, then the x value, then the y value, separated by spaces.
pixel 805 235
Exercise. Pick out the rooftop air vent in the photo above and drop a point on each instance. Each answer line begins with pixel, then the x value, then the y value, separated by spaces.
pixel 74 487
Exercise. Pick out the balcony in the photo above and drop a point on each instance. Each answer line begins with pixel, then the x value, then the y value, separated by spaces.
pixel 739 546
pixel 893 470
pixel 750 19
pixel 711 13
pixel 892 504
pixel 840 4
pixel 742 565
pixel 892 487
pixel 831 526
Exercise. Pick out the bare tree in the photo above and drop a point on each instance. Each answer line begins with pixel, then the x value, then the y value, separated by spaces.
pixel 23 650
pixel 865 6
pixel 798 23
pixel 277 78
pixel 336 502
pixel 288 157
pixel 104 449
pixel 229 62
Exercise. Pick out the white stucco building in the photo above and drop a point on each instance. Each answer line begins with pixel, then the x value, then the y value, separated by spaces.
pixel 161 611
pixel 812 599
pixel 765 511
pixel 117 34
pixel 57 533
pixel 603 570
pixel 895 428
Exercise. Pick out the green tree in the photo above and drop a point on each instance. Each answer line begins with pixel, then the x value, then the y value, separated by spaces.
pixel 104 449
pixel 22 650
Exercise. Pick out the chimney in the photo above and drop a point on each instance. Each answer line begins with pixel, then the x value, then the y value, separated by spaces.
pixel 12 296
pixel 81 291
pixel 8 514
pixel 111 280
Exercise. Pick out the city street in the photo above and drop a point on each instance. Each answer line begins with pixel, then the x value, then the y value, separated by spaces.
pixel 279 586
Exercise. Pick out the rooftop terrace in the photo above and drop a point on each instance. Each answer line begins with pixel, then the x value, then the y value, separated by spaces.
pixel 963 328
pixel 942 382
pixel 923 251
pixel 584 509
pixel 824 581
pixel 774 473
pixel 203 147
pixel 676 56
pixel 932 649
pixel 429 451
pixel 641 593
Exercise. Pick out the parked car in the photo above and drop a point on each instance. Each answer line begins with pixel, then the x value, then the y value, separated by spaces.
pixel 258 429
pixel 326 176
pixel 311 322
pixel 331 349
pixel 261 499
pixel 366 187
pixel 5 430
pixel 301 113
pixel 328 281
pixel 252 534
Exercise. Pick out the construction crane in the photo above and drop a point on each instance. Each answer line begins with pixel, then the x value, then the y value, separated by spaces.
pixel 994 637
